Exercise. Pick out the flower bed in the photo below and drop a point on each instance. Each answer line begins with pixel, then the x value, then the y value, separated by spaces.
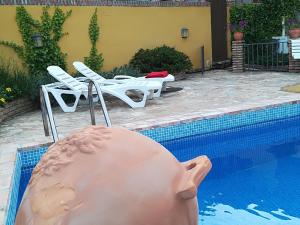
pixel 6 94
pixel 16 107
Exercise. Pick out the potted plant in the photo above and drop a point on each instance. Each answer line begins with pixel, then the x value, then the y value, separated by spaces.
pixel 238 30
pixel 294 28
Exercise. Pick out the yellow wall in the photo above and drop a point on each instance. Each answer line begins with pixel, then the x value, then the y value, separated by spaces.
pixel 123 30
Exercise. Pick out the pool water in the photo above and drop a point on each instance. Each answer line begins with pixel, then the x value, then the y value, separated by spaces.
pixel 255 179
pixel 255 174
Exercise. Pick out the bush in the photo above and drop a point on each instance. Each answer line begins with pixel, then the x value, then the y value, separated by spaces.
pixel 16 83
pixel 264 19
pixel 6 95
pixel 10 88
pixel 122 70
pixel 161 58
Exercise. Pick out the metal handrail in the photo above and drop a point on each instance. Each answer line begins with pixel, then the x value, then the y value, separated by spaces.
pixel 47 109
pixel 44 113
pixel 102 102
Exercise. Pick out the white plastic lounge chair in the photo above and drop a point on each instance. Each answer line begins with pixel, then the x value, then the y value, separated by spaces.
pixel 87 72
pixel 295 48
pixel 77 88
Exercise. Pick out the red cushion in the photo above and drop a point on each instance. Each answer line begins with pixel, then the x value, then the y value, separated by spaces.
pixel 157 74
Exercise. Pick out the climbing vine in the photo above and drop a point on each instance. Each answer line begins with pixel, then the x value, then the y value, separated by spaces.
pixel 95 59
pixel 49 30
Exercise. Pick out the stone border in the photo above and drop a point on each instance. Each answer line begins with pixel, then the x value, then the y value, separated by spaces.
pixel 214 116
pixel 7 168
pixel 132 3
pixel 16 107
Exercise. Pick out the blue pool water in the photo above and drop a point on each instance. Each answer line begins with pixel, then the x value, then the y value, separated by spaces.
pixel 255 178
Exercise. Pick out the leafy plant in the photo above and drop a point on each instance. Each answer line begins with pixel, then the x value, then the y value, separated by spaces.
pixel 264 19
pixel 292 23
pixel 6 94
pixel 161 58
pixel 239 27
pixel 95 59
pixel 9 89
pixel 50 30
pixel 122 70
pixel 16 83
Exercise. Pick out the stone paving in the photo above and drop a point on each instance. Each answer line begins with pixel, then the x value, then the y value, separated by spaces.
pixel 217 92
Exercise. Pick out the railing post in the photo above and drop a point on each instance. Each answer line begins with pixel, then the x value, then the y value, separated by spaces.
pixel 202 60
pixel 238 65
pixel 44 113
pixel 294 64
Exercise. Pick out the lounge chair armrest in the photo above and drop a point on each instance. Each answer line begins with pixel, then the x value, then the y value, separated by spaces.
pixel 61 91
pixel 121 77
pixel 82 79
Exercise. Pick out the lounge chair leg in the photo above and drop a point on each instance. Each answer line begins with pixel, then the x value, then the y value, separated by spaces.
pixel 57 94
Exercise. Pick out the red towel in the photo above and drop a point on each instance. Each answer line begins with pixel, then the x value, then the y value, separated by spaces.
pixel 157 74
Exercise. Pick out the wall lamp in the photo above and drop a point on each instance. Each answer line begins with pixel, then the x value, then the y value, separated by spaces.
pixel 37 38
pixel 184 32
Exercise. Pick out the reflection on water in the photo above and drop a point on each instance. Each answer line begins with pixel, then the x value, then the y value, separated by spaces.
pixel 272 186
pixel 224 214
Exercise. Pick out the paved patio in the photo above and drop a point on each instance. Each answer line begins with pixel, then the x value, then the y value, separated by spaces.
pixel 216 92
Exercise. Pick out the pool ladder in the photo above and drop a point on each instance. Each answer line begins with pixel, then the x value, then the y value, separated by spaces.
pixel 47 109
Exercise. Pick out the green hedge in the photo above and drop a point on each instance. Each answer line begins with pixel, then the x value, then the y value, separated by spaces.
pixel 264 19
pixel 161 58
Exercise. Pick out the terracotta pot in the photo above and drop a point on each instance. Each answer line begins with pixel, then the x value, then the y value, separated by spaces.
pixel 298 31
pixel 294 33
pixel 112 176
pixel 238 36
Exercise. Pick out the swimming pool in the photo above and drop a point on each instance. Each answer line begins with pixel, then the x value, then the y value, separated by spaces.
pixel 255 175
pixel 256 163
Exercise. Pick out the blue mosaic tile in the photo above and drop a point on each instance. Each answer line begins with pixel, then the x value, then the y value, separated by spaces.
pixel 31 157
pixel 227 121
pixel 25 159
pixel 13 198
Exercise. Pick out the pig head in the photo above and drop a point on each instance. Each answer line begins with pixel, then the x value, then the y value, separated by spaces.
pixel 112 176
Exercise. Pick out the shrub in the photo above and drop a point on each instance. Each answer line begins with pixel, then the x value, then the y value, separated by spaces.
pixel 95 59
pixel 239 27
pixel 161 58
pixel 17 83
pixel 9 87
pixel 6 95
pixel 122 70
pixel 292 23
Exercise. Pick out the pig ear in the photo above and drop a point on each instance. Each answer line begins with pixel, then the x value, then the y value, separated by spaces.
pixel 196 170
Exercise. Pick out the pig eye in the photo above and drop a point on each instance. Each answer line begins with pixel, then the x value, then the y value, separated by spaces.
pixel 191 166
